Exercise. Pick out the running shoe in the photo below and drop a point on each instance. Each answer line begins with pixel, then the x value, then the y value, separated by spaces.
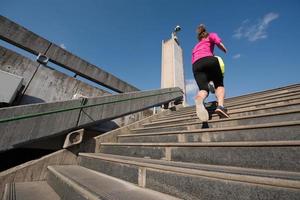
pixel 201 110
pixel 222 112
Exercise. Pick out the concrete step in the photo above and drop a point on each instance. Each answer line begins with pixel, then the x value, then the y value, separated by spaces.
pixel 192 124
pixel 252 101
pixel 265 92
pixel 269 155
pixel 277 102
pixel 197 181
pixel 194 118
pixel 76 182
pixel 239 112
pixel 263 102
pixel 258 132
pixel 253 97
pixel 259 98
pixel 29 191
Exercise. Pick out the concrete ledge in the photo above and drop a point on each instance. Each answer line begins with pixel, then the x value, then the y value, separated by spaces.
pixel 24 124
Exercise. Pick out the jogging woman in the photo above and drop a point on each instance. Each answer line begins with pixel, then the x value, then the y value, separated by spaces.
pixel 206 68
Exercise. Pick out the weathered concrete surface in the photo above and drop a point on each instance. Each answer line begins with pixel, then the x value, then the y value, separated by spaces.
pixel 290 115
pixel 30 191
pixel 81 67
pixel 271 158
pixel 36 170
pixel 10 85
pixel 172 71
pixel 15 133
pixel 239 154
pixel 233 113
pixel 93 145
pixel 205 170
pixel 195 188
pixel 119 170
pixel 135 151
pixel 20 132
pixel 43 84
pixel 23 38
pixel 273 132
pixel 49 85
pixel 75 182
pixel 14 63
pixel 123 104
pixel 264 93
pixel 191 181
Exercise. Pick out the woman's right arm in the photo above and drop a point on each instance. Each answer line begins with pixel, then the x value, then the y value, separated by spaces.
pixel 222 47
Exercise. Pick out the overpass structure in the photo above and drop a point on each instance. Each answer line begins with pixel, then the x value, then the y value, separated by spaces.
pixel 169 155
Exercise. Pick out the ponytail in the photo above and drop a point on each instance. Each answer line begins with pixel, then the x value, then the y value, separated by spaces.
pixel 201 32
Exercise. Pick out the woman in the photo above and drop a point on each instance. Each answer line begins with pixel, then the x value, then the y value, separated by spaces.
pixel 207 68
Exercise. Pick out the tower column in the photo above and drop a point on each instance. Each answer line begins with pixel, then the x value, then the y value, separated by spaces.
pixel 172 71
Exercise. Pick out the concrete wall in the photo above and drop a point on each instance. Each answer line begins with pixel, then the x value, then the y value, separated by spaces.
pixel 43 84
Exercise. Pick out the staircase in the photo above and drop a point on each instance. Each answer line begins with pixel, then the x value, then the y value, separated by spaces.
pixel 255 154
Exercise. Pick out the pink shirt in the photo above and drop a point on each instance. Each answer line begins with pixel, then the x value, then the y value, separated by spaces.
pixel 205 47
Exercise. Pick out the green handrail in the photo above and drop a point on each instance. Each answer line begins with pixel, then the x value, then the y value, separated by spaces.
pixel 83 102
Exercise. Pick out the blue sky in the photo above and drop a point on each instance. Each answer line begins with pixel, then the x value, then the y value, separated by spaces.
pixel 124 36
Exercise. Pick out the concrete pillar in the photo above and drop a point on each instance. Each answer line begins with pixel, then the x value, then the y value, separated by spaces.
pixel 172 72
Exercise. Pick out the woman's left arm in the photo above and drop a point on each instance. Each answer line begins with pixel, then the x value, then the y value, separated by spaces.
pixel 222 47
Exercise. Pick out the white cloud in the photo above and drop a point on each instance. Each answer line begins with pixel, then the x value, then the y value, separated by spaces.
pixel 62 45
pixel 191 86
pixel 256 31
pixel 236 56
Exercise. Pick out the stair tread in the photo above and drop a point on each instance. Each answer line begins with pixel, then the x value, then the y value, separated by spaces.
pixel 287 87
pixel 212 144
pixel 256 126
pixel 33 191
pixel 236 107
pixel 96 185
pixel 192 111
pixel 259 176
pixel 217 120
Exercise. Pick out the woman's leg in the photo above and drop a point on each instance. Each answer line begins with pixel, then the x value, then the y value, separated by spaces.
pixel 201 95
pixel 220 94
pixel 217 77
pixel 200 107
pixel 202 82
pixel 221 110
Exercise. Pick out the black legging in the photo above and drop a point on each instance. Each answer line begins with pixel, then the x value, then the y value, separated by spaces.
pixel 207 69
